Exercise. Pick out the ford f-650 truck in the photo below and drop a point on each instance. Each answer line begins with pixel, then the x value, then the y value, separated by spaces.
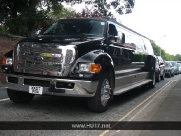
pixel 92 57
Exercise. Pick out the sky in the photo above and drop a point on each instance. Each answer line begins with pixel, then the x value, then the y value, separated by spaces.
pixel 159 20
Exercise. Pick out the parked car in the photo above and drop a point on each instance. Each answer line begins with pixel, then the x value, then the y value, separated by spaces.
pixel 169 69
pixel 176 68
pixel 179 66
pixel 160 69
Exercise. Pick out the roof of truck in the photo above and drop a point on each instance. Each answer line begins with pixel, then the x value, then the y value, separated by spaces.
pixel 106 19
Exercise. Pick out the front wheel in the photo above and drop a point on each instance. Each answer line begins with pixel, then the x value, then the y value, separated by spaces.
pixel 19 97
pixel 100 102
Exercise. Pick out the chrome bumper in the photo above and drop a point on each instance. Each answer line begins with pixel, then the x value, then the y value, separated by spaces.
pixel 81 88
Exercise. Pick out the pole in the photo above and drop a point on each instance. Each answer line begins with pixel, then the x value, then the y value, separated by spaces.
pixel 161 44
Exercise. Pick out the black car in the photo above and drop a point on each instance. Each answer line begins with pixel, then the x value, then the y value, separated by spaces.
pixel 160 69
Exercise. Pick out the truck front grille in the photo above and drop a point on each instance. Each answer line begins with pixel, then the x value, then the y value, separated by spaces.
pixel 39 58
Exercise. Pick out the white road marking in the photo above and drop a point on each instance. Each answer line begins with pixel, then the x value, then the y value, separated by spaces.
pixel 4 99
pixel 148 98
pixel 149 102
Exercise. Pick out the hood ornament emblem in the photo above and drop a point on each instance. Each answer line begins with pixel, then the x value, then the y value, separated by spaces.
pixel 38 58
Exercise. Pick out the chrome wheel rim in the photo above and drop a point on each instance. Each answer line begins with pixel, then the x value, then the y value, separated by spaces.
pixel 105 92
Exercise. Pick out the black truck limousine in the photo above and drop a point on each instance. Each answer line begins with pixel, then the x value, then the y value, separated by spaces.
pixel 94 57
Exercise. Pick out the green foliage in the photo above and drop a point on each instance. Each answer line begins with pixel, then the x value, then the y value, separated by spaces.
pixel 164 55
pixel 64 13
pixel 105 7
pixel 156 48
pixel 178 57
pixel 138 57
pixel 24 17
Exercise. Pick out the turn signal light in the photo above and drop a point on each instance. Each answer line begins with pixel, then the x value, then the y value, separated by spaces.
pixel 3 61
pixel 6 61
pixel 95 68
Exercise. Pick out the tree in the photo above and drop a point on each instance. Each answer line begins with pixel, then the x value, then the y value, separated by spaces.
pixel 63 14
pixel 164 55
pixel 178 57
pixel 156 48
pixel 23 17
pixel 120 6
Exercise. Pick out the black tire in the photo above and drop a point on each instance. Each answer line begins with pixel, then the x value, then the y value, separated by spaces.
pixel 96 104
pixel 163 76
pixel 153 82
pixel 169 75
pixel 19 97
pixel 158 78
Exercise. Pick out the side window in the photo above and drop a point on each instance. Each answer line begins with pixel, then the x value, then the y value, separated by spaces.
pixel 143 46
pixel 112 30
pixel 114 33
pixel 133 38
pixel 148 46
pixel 121 35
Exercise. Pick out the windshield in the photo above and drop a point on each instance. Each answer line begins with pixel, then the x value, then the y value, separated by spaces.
pixel 173 63
pixel 167 64
pixel 94 28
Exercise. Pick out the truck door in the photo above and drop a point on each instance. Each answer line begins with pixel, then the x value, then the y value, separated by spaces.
pixel 115 49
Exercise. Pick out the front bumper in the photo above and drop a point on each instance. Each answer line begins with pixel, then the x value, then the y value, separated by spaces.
pixel 81 88
pixel 167 71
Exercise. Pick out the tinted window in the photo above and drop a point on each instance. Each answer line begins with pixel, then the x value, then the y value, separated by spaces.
pixel 132 38
pixel 77 27
pixel 121 35
pixel 160 59
pixel 148 45
pixel 112 30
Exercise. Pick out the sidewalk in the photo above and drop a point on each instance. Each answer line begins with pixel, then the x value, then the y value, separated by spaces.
pixel 167 107
pixel 169 110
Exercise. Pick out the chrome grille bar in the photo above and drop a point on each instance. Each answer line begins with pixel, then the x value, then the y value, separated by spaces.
pixel 43 58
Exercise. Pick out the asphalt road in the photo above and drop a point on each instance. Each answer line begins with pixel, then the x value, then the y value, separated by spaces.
pixel 136 105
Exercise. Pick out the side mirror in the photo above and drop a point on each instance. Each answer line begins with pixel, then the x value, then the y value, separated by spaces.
pixel 116 39
pixel 112 39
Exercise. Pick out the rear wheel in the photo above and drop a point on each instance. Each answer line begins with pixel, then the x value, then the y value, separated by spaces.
pixel 153 82
pixel 158 78
pixel 19 97
pixel 100 102
pixel 169 74
pixel 163 76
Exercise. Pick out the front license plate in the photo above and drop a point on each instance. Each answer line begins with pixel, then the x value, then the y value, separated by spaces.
pixel 36 89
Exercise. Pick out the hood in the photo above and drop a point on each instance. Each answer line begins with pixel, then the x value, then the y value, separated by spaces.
pixel 167 67
pixel 63 40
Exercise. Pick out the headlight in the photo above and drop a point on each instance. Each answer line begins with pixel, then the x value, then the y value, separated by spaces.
pixel 89 67
pixel 7 61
